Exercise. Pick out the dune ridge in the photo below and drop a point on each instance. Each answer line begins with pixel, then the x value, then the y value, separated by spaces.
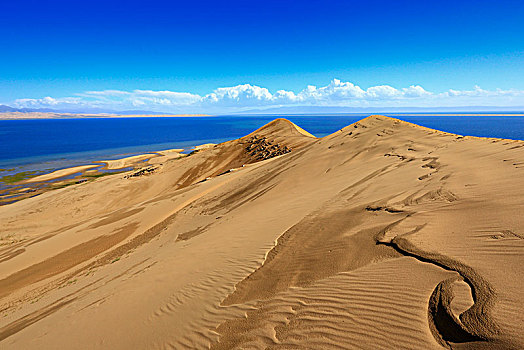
pixel 383 234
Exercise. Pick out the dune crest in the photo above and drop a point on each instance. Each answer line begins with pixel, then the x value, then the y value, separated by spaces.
pixel 384 234
pixel 281 127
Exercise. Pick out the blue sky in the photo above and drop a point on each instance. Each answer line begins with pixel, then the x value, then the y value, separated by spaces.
pixel 199 56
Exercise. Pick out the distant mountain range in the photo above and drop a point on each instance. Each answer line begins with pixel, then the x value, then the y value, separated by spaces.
pixel 7 109
pixel 377 110
pixel 289 110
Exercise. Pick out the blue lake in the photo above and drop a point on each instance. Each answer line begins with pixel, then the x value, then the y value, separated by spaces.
pixel 55 143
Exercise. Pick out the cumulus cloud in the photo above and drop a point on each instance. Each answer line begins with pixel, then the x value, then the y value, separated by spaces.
pixel 415 91
pixel 239 95
pixel 142 97
pixel 246 96
pixel 335 91
pixel 479 92
pixel 48 102
pixel 339 93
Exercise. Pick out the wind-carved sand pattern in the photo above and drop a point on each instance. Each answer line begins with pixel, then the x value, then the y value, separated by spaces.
pixel 382 235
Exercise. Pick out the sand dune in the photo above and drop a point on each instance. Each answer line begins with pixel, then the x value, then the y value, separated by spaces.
pixel 61 173
pixel 175 152
pixel 128 161
pixel 382 235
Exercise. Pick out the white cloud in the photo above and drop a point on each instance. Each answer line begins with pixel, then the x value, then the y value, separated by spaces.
pixel 383 92
pixel 239 95
pixel 285 96
pixel 46 102
pixel 247 96
pixel 415 91
pixel 476 92
pixel 106 93
pixel 338 92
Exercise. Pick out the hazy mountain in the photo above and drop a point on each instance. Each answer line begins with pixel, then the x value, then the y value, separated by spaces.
pixel 284 110
pixel 372 110
pixel 8 109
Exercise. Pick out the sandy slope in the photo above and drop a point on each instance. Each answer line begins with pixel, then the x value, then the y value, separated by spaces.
pixel 382 235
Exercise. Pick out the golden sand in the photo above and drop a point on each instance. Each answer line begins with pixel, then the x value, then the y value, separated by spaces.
pixel 382 235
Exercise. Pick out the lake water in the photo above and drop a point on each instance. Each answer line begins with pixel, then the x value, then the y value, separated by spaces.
pixel 55 143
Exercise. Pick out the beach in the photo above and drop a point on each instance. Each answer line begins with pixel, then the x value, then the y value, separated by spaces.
pixel 384 234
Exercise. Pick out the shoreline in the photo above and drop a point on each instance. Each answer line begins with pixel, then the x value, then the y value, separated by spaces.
pixel 26 184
